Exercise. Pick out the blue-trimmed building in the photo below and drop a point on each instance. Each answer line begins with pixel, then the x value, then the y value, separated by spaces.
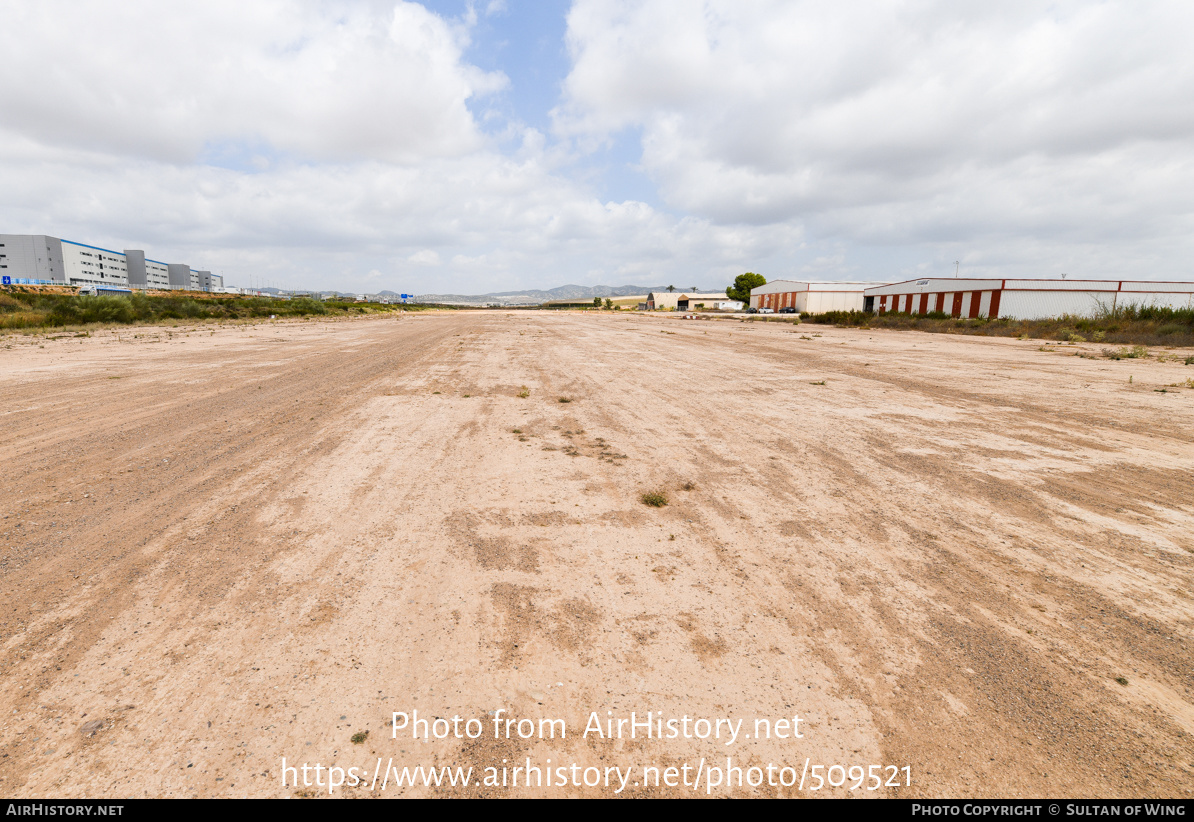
pixel 41 259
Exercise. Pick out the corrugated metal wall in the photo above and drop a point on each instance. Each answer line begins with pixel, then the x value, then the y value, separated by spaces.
pixel 1040 305
pixel 814 302
pixel 1126 298
pixel 1027 299
pixel 821 301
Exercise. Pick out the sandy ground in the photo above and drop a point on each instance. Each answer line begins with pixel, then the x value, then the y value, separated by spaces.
pixel 225 546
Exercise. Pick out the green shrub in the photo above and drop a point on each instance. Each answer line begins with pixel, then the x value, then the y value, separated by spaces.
pixel 83 310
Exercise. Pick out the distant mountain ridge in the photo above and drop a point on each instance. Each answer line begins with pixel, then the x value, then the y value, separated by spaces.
pixel 535 296
pixel 532 296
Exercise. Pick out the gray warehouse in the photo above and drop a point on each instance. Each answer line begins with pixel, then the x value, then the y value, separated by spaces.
pixel 38 259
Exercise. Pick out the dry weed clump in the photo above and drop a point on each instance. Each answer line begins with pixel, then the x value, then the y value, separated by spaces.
pixel 1135 352
pixel 655 499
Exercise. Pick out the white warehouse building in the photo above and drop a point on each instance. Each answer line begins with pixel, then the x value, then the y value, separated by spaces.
pixel 38 259
pixel 809 297
pixel 1023 299
pixel 90 265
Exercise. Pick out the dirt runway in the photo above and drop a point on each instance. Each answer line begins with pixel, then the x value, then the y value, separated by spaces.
pixel 969 558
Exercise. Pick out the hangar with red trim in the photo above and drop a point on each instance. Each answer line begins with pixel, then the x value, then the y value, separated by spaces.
pixel 808 297
pixel 1022 299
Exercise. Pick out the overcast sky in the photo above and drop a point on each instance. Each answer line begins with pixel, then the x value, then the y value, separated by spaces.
pixel 469 147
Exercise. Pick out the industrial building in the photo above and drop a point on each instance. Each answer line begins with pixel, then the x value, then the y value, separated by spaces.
pixel 145 273
pixel 89 265
pixel 51 260
pixel 681 300
pixel 206 281
pixel 31 257
pixel 809 297
pixel 1023 299
pixel 38 259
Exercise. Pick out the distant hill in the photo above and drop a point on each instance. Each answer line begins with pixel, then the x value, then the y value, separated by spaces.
pixel 536 296
pixel 531 296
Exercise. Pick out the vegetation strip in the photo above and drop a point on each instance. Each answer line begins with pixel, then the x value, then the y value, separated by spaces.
pixel 31 309
pixel 1128 325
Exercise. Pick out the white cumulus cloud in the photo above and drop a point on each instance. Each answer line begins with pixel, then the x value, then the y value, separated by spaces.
pixel 1015 130
pixel 354 144
pixel 317 80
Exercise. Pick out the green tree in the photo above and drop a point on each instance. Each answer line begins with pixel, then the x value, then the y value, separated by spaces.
pixel 609 303
pixel 597 302
pixel 671 288
pixel 743 283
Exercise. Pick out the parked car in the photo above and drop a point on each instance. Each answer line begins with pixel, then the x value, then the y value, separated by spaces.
pixel 752 311
pixel 766 310
pixel 788 310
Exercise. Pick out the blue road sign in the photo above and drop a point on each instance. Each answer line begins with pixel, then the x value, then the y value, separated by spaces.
pixel 7 281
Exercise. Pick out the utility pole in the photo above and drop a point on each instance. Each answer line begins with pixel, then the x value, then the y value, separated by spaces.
pixel 957 266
